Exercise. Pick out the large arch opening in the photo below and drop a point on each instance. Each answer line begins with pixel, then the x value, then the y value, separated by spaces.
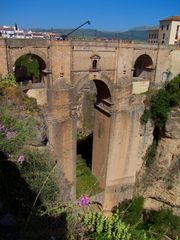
pixel 29 68
pixel 93 124
pixel 143 67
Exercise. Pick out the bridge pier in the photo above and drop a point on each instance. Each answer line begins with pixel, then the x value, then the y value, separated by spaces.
pixel 62 139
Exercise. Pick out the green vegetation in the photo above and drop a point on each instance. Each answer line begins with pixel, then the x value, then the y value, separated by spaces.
pixel 14 98
pixel 86 182
pixel 140 33
pixel 131 211
pixel 7 82
pixel 31 64
pixel 27 174
pixel 161 102
pixel 158 108
pixel 148 225
pixel 100 227
pixel 28 189
pixel 22 130
pixel 150 154
pixel 39 165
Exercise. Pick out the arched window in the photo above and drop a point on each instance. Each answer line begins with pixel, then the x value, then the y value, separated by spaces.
pixel 94 64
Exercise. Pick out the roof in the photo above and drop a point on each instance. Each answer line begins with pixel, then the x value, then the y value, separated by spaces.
pixel 153 29
pixel 6 29
pixel 172 18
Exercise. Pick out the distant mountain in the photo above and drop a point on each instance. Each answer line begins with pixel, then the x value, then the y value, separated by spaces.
pixel 138 33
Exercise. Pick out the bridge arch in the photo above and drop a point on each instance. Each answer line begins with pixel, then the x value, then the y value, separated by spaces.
pixel 86 79
pixel 29 67
pixel 143 67
pixel 100 129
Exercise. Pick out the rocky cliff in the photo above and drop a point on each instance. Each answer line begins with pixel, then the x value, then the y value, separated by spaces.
pixel 159 182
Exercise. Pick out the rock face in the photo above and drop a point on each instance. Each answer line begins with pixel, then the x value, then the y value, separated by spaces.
pixel 159 183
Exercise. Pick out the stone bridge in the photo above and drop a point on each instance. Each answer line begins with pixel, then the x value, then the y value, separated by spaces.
pixel 121 71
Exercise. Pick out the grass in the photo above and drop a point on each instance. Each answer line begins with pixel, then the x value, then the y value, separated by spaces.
pixel 86 182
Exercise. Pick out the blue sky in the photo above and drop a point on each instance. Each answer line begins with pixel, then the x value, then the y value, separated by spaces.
pixel 113 15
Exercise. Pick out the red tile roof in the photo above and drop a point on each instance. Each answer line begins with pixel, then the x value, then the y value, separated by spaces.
pixel 172 18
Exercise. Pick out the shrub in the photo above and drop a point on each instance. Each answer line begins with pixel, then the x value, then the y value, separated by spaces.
pixel 37 170
pixel 173 88
pixel 146 116
pixel 131 210
pixel 14 133
pixel 100 227
pixel 161 102
pixel 8 82
pixel 150 154
pixel 164 222
pixel 160 107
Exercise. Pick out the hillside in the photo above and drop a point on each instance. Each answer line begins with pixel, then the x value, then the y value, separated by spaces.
pixel 140 33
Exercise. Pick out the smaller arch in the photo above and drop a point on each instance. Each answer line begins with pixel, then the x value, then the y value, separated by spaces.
pixel 103 92
pixel 143 67
pixel 29 67
pixel 84 80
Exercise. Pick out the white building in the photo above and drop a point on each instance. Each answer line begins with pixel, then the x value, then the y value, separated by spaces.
pixel 11 32
pixel 7 31
pixel 153 36
pixel 168 32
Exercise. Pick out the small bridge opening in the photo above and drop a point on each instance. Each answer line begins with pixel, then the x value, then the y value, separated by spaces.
pixel 93 134
pixel 29 69
pixel 143 67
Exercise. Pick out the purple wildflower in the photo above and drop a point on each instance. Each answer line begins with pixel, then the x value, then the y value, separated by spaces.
pixel 21 159
pixel 84 201
pixel 10 134
pixel 2 128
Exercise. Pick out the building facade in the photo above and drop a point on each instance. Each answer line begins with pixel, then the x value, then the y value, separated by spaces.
pixel 153 36
pixel 168 32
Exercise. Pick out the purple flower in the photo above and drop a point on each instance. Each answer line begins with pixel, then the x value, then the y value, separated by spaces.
pixel 84 201
pixel 21 159
pixel 10 134
pixel 2 128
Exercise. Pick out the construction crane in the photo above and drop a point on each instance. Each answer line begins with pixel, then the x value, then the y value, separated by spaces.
pixel 65 36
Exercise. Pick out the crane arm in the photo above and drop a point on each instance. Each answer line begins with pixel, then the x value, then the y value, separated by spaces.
pixel 66 35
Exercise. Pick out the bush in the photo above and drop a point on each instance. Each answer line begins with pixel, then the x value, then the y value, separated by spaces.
pixel 7 82
pixel 14 132
pixel 37 170
pixel 160 107
pixel 150 154
pixel 100 227
pixel 173 88
pixel 161 102
pixel 146 116
pixel 131 210
pixel 164 222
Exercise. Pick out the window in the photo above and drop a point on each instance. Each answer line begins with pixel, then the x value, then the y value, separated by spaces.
pixel 167 27
pixel 94 64
pixel 177 32
pixel 162 27
pixel 164 35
